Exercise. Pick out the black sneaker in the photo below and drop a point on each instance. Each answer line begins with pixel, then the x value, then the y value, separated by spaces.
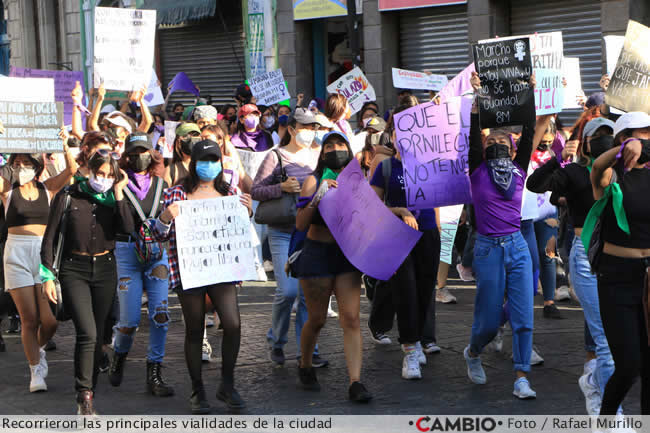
pixel 14 325
pixel 3 347
pixel 552 312
pixel 49 346
pixel 358 393
pixel 231 397
pixel 277 356
pixel 199 403
pixel 307 379
pixel 318 362
pixel 104 363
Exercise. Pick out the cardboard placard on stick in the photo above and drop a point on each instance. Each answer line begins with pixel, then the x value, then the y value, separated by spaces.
pixel 506 97
pixel 355 87
pixel 269 88
pixel 629 87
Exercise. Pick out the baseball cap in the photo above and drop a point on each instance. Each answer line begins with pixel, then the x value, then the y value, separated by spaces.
pixel 118 119
pixel 376 123
pixel 333 134
pixel 596 99
pixel 304 116
pixel 323 121
pixel 205 148
pixel 205 112
pixel 186 128
pixel 632 120
pixel 107 109
pixel 248 109
pixel 137 139
pixel 593 125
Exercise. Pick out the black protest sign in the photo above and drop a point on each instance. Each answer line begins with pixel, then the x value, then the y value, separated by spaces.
pixel 506 97
pixel 629 86
pixel 31 127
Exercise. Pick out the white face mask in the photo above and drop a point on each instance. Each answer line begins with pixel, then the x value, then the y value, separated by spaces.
pixel 268 122
pixel 319 137
pixel 305 137
pixel 100 184
pixel 25 175
pixel 374 138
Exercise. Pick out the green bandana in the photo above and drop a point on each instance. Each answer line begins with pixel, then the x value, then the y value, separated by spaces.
pixel 329 174
pixel 106 198
pixel 613 191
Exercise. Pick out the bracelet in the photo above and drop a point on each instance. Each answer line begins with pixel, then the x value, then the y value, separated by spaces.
pixel 620 151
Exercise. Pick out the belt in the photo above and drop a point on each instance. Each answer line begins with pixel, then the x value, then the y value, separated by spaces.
pixel 124 238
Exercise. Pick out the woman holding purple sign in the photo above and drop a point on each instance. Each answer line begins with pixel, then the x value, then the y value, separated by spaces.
pixel 501 256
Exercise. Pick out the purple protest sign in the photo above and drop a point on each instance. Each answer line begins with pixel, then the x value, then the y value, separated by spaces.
pixel 64 82
pixel 433 141
pixel 459 85
pixel 372 238
pixel 182 82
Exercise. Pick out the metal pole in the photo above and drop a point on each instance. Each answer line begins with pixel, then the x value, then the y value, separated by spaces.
pixel 353 32
pixel 5 50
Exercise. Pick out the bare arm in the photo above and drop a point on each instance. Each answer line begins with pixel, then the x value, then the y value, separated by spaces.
pixel 94 117
pixel 58 182
pixel 601 172
pixel 77 129
pixel 147 118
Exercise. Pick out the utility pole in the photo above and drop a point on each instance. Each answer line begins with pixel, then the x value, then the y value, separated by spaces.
pixel 4 42
pixel 353 32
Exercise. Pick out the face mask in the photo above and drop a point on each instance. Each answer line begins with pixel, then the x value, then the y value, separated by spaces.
pixel 188 144
pixel 268 122
pixel 542 147
pixel 319 137
pixel 644 158
pixel 140 162
pixel 374 139
pixel 208 170
pixel 305 137
pixel 251 122
pixel 100 185
pixel 283 120
pixel 232 118
pixel 600 145
pixel 337 159
pixel 497 151
pixel 25 175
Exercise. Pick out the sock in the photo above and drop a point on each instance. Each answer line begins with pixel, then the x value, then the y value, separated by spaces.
pixel 408 348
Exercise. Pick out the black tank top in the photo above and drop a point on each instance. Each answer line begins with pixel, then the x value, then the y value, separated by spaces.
pixel 22 212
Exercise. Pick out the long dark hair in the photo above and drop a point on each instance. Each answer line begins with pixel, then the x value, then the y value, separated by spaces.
pixel 35 158
pixel 98 160
pixel 286 138
pixel 191 181
pixel 91 140
pixel 318 173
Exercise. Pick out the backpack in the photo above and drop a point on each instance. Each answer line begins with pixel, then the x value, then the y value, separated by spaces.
pixel 148 248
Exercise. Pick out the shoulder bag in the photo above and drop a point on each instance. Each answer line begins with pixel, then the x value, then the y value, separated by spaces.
pixel 278 211
pixel 58 309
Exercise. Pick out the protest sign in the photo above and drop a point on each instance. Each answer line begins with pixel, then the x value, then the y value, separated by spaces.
pixel 547 55
pixel 504 67
pixel 433 141
pixel 124 47
pixel 629 87
pixel 449 217
pixel 269 88
pixel 573 82
pixel 14 89
pixel 214 242
pixel 355 87
pixel 154 95
pixel 372 238
pixel 613 48
pixel 182 82
pixel 31 127
pixel 403 79
pixel 251 161
pixel 170 138
pixel 459 85
pixel 64 82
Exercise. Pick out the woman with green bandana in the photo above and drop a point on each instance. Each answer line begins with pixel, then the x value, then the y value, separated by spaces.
pixel 323 270
pixel 95 210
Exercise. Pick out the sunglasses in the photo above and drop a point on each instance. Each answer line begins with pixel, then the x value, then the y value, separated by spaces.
pixel 105 153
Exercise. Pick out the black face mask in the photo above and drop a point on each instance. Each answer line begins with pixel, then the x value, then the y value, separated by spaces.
pixel 542 147
pixel 140 162
pixel 188 143
pixel 497 151
pixel 600 145
pixel 232 119
pixel 337 159
pixel 645 155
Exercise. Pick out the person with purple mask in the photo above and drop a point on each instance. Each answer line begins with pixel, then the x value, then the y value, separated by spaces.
pixel 502 261
pixel 250 135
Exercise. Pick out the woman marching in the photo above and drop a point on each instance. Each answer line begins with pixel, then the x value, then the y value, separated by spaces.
pixel 27 202
pixel 323 270
pixel 136 273
pixel 205 181
pixel 94 212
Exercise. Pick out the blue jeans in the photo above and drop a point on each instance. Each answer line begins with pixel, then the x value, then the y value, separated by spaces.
pixel 586 286
pixel 503 263
pixel 285 294
pixel 544 232
pixel 528 232
pixel 132 278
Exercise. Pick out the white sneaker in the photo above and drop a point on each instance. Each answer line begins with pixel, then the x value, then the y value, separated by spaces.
pixel 593 398
pixel 209 320
pixel 422 358
pixel 464 273
pixel 43 362
pixel 496 345
pixel 536 358
pixel 444 297
pixel 411 366
pixel 562 294
pixel 37 382
pixel 332 313
pixel 589 367
pixel 431 348
pixel 523 389
pixel 206 351
pixel 268 266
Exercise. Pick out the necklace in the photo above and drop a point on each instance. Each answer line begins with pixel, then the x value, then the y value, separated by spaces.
pixel 205 186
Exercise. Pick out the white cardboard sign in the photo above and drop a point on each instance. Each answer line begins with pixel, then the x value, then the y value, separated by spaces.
pixel 269 88
pixel 405 79
pixel 355 87
pixel 170 137
pixel 573 82
pixel 251 161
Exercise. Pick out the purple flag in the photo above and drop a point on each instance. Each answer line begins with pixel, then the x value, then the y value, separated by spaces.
pixel 182 82
pixel 372 238
pixel 459 85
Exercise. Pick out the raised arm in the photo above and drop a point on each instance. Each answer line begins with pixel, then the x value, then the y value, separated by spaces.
pixel 77 95
pixel 58 182
pixel 93 124
pixel 147 118
pixel 601 172
pixel 475 154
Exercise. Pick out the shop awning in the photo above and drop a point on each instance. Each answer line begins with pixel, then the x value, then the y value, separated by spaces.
pixel 174 12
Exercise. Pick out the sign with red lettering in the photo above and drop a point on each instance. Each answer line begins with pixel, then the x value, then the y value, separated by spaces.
pixel 404 79
pixel 355 87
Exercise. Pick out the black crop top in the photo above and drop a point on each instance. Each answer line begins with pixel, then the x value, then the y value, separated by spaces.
pixel 635 186
pixel 22 212
pixel 572 182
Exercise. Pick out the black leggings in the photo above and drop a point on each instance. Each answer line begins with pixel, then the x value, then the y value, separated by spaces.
pixel 224 299
pixel 620 290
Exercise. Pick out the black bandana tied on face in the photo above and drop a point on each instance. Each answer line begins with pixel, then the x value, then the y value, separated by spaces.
pixel 501 168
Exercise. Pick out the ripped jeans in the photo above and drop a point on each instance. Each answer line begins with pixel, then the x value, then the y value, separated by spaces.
pixel 132 278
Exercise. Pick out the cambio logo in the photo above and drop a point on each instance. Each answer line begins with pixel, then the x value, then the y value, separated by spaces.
pixel 461 424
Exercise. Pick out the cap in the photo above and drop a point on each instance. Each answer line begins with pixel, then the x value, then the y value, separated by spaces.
pixel 593 125
pixel 243 91
pixel 137 139
pixel 376 123
pixel 186 128
pixel 107 109
pixel 118 119
pixel 304 116
pixel 205 148
pixel 596 99
pixel 323 121
pixel 205 112
pixel 632 120
pixel 248 109
pixel 333 134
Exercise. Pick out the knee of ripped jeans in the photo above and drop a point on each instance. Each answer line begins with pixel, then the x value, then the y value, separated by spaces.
pixel 123 284
pixel 160 272
pixel 160 317
pixel 126 328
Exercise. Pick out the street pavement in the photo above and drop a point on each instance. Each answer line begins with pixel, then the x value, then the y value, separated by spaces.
pixel 444 388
